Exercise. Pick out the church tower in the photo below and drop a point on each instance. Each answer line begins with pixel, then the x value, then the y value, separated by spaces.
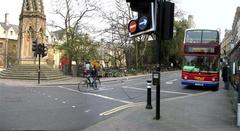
pixel 32 27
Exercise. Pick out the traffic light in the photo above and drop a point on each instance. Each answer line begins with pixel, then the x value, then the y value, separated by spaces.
pixel 153 16
pixel 44 50
pixel 168 20
pixel 145 23
pixel 34 46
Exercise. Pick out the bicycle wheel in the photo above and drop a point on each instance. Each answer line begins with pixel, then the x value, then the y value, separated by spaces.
pixel 98 81
pixel 94 85
pixel 82 85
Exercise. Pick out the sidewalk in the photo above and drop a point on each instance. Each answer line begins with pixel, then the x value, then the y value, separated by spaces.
pixel 205 112
pixel 68 81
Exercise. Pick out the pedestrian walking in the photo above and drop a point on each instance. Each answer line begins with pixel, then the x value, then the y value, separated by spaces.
pixel 225 77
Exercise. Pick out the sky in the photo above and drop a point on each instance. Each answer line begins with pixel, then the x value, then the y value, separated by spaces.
pixel 210 14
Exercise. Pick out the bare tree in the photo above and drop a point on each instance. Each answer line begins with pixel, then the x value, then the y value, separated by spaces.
pixel 72 14
pixel 118 30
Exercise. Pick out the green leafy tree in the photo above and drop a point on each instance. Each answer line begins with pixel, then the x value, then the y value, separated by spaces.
pixel 82 49
pixel 71 14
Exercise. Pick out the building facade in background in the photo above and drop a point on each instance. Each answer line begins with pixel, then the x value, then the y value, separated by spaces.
pixel 232 37
pixel 8 43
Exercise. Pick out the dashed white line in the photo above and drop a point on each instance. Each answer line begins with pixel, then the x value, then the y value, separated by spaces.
pixel 56 99
pixel 73 106
pixel 64 102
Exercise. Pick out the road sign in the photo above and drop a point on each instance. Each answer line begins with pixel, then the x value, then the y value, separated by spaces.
pixel 143 23
pixel 146 21
pixel 132 27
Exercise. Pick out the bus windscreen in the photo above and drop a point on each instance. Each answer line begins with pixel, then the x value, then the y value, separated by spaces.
pixel 202 36
pixel 201 64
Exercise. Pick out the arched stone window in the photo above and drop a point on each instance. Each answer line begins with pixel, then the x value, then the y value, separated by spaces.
pixel 41 35
pixel 31 30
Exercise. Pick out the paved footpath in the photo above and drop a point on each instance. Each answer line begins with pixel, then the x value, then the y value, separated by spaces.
pixel 209 111
pixel 66 81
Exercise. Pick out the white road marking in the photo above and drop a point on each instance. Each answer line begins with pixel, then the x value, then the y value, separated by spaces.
pixel 87 111
pixel 135 88
pixel 105 89
pixel 171 81
pixel 173 92
pixel 64 102
pixel 120 108
pixel 92 94
pixel 170 92
pixel 181 97
pixel 56 99
pixel 109 98
pixel 73 106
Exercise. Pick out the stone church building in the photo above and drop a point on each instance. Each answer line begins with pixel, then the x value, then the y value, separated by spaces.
pixel 32 27
pixel 16 40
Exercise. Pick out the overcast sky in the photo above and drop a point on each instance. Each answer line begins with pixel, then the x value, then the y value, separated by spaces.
pixel 211 14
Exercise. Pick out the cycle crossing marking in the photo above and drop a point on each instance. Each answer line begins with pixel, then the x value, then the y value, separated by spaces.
pixel 97 95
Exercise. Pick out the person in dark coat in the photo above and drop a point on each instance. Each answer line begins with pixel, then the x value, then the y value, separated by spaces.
pixel 225 76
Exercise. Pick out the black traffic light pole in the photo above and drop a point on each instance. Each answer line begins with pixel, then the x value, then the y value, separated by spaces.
pixel 159 44
pixel 39 52
pixel 39 67
pixel 164 17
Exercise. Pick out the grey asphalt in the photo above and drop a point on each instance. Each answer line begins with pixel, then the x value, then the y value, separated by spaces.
pixel 208 111
pixel 203 111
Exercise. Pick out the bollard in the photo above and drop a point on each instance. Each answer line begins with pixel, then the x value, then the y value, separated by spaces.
pixel 238 115
pixel 238 108
pixel 149 95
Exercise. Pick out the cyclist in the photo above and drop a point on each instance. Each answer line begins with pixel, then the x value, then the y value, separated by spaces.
pixel 91 77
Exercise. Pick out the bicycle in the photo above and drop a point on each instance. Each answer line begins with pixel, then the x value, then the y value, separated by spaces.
pixel 88 82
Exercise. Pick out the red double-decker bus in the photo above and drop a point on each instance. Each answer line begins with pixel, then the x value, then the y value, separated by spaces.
pixel 201 54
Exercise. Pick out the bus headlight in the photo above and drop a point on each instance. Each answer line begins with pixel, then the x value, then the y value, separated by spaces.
pixel 214 79
pixel 185 77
